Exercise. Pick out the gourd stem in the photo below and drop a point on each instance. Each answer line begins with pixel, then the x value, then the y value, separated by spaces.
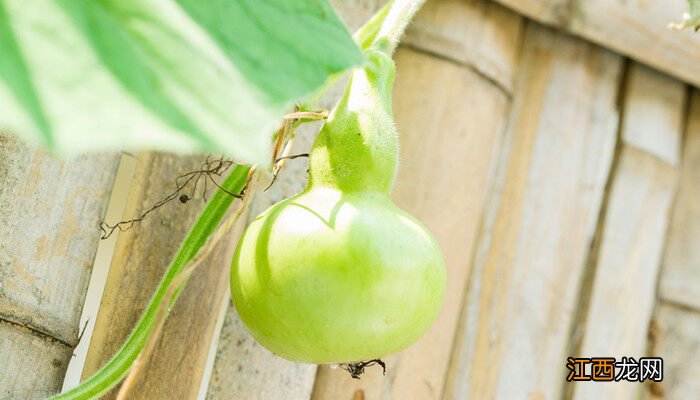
pixel 395 23
pixel 364 37
pixel 115 370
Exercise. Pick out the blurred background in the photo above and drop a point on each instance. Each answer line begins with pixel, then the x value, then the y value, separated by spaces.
pixel 552 147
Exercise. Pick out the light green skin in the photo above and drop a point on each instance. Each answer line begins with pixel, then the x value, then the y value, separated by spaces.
pixel 339 273
pixel 325 277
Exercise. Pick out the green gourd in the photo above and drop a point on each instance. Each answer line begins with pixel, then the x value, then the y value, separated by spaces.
pixel 339 273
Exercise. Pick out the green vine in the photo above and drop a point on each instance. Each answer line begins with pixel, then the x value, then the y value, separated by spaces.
pixel 115 370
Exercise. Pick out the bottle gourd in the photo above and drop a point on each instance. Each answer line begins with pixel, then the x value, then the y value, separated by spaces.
pixel 339 273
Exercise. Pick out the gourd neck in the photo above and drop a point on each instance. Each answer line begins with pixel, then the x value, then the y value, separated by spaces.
pixel 357 148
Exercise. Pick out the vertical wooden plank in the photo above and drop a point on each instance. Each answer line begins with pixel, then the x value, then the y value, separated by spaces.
pixel 141 256
pixel 634 227
pixel 678 343
pixel 542 215
pixel 188 333
pixel 243 369
pixel 50 211
pixel 450 116
pixel 680 276
pixel 677 318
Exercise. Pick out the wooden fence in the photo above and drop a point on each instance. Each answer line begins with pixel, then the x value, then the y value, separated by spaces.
pixel 561 179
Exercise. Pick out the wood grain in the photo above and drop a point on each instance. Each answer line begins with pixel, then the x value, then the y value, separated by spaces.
pixel 680 276
pixel 140 257
pixel 245 370
pixel 522 292
pixel 449 120
pixel 634 227
pixel 677 318
pixel 678 343
pixel 635 28
pixel 50 211
pixel 475 33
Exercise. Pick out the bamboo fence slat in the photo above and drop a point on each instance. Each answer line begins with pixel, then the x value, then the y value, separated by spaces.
pixel 476 33
pixel 245 370
pixel 178 364
pixel 654 112
pixel 674 333
pixel 464 147
pixel 676 340
pixel 49 215
pixel 638 29
pixel 680 276
pixel 634 227
pixel 141 255
pixel 456 112
pixel 542 215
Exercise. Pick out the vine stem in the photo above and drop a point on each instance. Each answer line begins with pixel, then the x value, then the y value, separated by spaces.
pixel 199 243
pixel 397 19
pixel 383 30
pixel 221 233
pixel 115 370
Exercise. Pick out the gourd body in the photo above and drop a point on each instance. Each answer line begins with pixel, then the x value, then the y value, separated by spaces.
pixel 338 273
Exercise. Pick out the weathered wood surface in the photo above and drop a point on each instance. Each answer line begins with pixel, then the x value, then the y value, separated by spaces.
pixel 633 228
pixel 448 106
pixel 680 276
pixel 476 33
pixel 245 370
pixel 140 257
pixel 677 341
pixel 533 246
pixel 635 28
pixel 177 368
pixel 50 211
pixel 676 325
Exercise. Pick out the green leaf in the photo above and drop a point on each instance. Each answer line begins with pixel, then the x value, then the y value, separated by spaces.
pixel 174 75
